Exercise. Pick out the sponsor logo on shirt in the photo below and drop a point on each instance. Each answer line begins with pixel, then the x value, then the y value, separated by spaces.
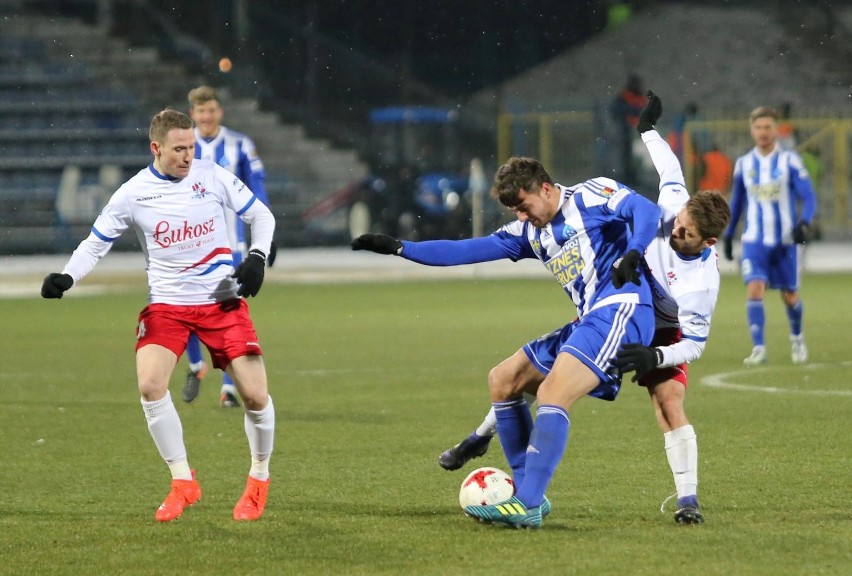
pixel 767 192
pixel 568 264
pixel 167 235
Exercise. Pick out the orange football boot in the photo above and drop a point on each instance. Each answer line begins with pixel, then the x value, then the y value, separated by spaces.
pixel 183 493
pixel 253 500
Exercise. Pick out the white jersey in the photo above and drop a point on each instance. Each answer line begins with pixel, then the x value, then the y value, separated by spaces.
pixel 182 230
pixel 685 289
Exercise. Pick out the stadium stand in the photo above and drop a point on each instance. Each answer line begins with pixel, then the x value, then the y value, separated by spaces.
pixel 75 103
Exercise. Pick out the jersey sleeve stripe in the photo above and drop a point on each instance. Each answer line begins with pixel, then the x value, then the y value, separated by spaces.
pixel 97 233
pixel 247 206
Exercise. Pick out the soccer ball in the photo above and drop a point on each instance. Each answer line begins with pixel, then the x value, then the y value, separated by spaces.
pixel 486 486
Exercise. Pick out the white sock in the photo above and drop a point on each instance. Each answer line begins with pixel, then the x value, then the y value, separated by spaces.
pixel 229 389
pixel 682 454
pixel 489 425
pixel 167 432
pixel 260 431
pixel 196 366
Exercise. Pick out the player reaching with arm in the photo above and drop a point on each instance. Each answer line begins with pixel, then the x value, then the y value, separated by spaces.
pixel 236 153
pixel 684 270
pixel 177 207
pixel 769 185
pixel 582 236
pixel 685 277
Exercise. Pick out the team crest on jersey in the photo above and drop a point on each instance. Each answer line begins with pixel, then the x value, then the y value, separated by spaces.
pixel 671 277
pixel 568 232
pixel 198 190
pixel 536 245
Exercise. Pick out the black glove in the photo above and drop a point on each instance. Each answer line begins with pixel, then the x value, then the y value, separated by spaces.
pixel 249 273
pixel 636 357
pixel 729 247
pixel 273 253
pixel 55 284
pixel 379 243
pixel 801 232
pixel 626 269
pixel 650 113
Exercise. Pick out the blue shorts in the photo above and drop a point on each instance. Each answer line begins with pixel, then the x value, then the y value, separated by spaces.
pixel 594 339
pixel 776 265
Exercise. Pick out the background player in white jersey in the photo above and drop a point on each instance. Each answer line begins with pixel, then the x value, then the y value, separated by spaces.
pixel 177 207
pixel 582 236
pixel 685 285
pixel 769 184
pixel 236 153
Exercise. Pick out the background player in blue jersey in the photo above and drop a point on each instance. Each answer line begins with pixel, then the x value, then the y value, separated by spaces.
pixel 771 184
pixel 582 235
pixel 236 153
pixel 685 275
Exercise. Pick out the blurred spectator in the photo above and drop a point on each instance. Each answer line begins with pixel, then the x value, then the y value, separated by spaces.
pixel 716 171
pixel 625 111
pixel 699 138
pixel 788 137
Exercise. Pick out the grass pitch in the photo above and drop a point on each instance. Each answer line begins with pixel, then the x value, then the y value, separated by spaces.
pixel 371 382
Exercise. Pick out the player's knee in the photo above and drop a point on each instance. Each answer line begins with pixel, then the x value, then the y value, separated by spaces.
pixel 500 385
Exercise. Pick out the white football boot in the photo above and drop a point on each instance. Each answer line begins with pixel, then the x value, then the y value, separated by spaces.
pixel 798 350
pixel 758 356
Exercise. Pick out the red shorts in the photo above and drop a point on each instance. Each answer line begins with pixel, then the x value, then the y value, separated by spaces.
pixel 664 337
pixel 225 328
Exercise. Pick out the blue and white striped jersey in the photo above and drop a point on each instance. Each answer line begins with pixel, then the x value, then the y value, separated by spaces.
pixel 770 189
pixel 236 153
pixel 578 247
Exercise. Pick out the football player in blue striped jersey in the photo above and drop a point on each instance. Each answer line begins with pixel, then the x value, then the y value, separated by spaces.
pixel 773 190
pixel 590 237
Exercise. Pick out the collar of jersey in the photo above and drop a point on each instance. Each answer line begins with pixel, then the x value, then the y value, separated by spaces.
pixel 161 176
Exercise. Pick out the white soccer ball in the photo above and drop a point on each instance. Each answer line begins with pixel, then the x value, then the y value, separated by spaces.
pixel 485 486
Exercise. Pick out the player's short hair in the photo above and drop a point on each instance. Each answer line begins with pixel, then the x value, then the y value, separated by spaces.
pixel 202 95
pixel 518 173
pixel 763 112
pixel 166 120
pixel 710 211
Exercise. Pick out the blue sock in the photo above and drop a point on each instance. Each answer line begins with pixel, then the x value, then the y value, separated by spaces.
pixel 687 501
pixel 478 440
pixel 193 350
pixel 514 425
pixel 547 445
pixel 756 321
pixel 226 381
pixel 794 315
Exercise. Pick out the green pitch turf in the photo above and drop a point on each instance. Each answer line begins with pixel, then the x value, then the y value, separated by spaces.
pixel 371 382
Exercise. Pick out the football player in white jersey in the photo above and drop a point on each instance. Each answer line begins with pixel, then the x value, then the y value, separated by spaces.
pixel 582 235
pixel 771 184
pixel 177 207
pixel 685 285
pixel 236 153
